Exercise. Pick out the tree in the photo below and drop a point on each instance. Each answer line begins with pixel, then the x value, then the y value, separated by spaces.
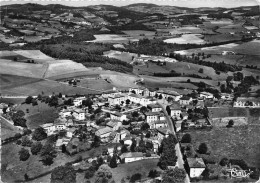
pixel 160 96
pixel 168 156
pixel 63 174
pixel 230 123
pixel 124 149
pixel 175 175
pixel 135 177
pixel 20 122
pixel 153 173
pixel 89 173
pixel 25 141
pixel 143 109
pixel 96 142
pixel 133 145
pixel 201 70
pixel 145 126
pixel 24 154
pixel 104 171
pixel 186 138
pixel 48 153
pixel 36 148
pixel 224 162
pixel 113 162
pixel 188 80
pixel 60 95
pixel 203 148
pixel 28 100
pixel 135 114
pixel 127 102
pixel 26 177
pixel 39 134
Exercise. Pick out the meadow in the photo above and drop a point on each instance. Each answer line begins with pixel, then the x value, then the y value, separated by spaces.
pixel 123 56
pixel 186 39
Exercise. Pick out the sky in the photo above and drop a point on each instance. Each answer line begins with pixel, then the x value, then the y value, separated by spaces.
pixel 181 3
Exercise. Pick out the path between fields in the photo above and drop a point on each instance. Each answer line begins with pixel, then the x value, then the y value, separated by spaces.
pixel 180 162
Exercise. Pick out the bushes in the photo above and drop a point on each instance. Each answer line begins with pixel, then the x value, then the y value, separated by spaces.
pixel 135 177
pixel 186 138
pixel 24 154
pixel 203 148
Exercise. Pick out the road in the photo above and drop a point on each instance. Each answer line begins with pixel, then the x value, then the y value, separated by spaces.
pixel 180 162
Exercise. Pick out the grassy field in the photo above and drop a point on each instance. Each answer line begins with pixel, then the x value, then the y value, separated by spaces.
pixel 228 112
pixel 48 87
pixel 8 81
pixel 143 167
pixel 7 130
pixel 218 38
pixel 241 142
pixel 186 39
pixel 39 114
pixel 98 84
pixel 112 38
pixel 140 34
pixel 123 56
pixel 12 100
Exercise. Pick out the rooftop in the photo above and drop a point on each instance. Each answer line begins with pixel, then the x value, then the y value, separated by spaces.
pixel 131 155
pixel 185 98
pixel 105 130
pixel 250 99
pixel 196 163
pixel 154 105
pixel 154 113
pixel 175 106
pixel 46 125
pixel 135 95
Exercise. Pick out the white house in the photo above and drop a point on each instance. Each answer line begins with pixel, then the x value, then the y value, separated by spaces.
pixel 175 110
pixel 79 114
pixel 116 99
pixel 104 133
pixel 117 116
pixel 49 128
pixel 60 126
pixel 196 166
pixel 65 113
pixel 138 91
pixel 247 102
pixel 154 107
pixel 114 124
pixel 185 100
pixel 132 156
pixel 110 94
pixel 78 101
pixel 153 116
pixel 168 93
pixel 158 124
pixel 206 95
pixel 120 135
pixel 162 133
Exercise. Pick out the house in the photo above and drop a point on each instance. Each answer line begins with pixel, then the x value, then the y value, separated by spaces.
pixel 120 135
pixel 175 110
pixel 135 98
pixel 196 166
pixel 114 124
pixel 139 91
pixel 154 107
pixel 79 114
pixel 167 94
pixel 158 124
pixel 116 99
pixel 78 101
pixel 60 126
pixel 104 133
pixel 162 133
pixel 206 95
pixel 184 115
pixel 128 141
pixel 117 116
pixel 154 116
pixel 63 141
pixel 110 94
pixel 227 96
pixel 49 128
pixel 178 125
pixel 65 113
pixel 132 156
pixel 185 100
pixel 4 106
pixel 250 102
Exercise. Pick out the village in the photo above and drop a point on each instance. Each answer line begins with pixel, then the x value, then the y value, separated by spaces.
pixel 132 124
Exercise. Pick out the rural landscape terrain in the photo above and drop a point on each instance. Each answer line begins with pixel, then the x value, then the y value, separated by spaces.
pixel 141 93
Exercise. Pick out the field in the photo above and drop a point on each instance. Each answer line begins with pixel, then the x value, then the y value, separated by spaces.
pixel 97 84
pixel 218 38
pixel 186 39
pixel 48 87
pixel 241 142
pixel 112 38
pixel 227 112
pixel 39 114
pixel 12 100
pixel 143 167
pixel 140 34
pixel 9 81
pixel 8 130
pixel 124 56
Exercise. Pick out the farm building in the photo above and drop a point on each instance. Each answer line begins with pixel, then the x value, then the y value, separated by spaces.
pixel 118 116
pixel 196 166
pixel 132 156
pixel 154 107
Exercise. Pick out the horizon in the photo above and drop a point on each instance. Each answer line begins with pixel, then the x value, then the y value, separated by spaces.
pixel 120 3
